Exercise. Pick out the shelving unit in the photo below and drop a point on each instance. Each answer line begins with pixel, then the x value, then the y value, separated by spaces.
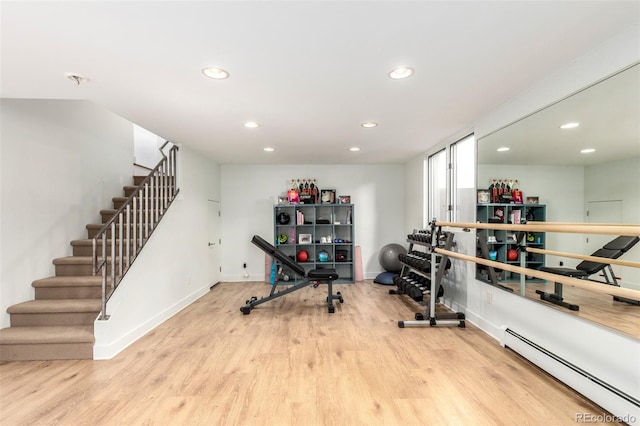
pixel 500 241
pixel 329 228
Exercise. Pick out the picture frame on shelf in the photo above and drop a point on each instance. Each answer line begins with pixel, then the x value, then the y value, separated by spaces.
pixel 344 199
pixel 327 196
pixel 533 200
pixel 483 196
pixel 293 196
pixel 304 239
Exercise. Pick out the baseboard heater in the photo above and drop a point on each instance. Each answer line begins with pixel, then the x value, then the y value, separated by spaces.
pixel 616 401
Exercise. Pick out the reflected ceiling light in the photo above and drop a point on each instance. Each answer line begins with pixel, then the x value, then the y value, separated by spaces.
pixel 214 72
pixel 503 149
pixel 369 124
pixel 401 72
pixel 269 149
pixel 251 124
pixel 587 151
pixel 354 149
pixel 570 125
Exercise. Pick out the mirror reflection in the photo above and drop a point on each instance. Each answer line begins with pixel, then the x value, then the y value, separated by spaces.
pixel 577 160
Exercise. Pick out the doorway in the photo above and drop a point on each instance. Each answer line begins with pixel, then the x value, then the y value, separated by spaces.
pixel 214 266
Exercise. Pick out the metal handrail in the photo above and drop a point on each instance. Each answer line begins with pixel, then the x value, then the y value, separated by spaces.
pixel 134 222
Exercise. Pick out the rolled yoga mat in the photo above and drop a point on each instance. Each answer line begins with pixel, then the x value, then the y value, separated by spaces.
pixel 358 264
pixel 268 261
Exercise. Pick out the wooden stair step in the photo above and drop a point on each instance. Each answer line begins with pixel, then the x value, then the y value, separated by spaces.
pixel 98 226
pixel 54 312
pixel 46 343
pixel 128 190
pixel 117 203
pixel 94 228
pixel 55 306
pixel 47 334
pixel 70 287
pixel 78 265
pixel 85 247
pixel 107 214
pixel 137 180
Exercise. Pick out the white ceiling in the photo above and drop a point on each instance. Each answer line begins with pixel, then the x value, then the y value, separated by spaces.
pixel 309 72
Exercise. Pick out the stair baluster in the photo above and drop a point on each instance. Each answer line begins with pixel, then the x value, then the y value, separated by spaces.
pixel 140 213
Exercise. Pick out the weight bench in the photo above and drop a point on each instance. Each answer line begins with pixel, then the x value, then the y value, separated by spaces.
pixel 612 250
pixel 314 277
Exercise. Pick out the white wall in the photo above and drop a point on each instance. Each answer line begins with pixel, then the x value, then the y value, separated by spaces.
pixel 414 195
pixel 173 269
pixel 146 147
pixel 62 161
pixel 249 193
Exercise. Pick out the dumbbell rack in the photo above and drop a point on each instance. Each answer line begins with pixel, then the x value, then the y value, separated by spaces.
pixel 418 277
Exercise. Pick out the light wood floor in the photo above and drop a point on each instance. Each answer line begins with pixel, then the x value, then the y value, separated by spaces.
pixel 596 307
pixel 290 362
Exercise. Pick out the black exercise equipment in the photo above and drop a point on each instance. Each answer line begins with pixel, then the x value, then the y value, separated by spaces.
pixel 612 250
pixel 314 277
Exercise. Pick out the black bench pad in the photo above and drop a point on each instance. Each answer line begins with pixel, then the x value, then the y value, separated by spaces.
pixel 567 272
pixel 323 274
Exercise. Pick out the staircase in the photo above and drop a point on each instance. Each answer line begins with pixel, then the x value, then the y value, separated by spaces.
pixel 58 324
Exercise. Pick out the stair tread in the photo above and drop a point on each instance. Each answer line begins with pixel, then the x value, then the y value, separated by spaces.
pixel 48 334
pixel 70 281
pixel 89 242
pixel 41 306
pixel 74 260
pixel 113 211
pixel 100 225
pixel 79 260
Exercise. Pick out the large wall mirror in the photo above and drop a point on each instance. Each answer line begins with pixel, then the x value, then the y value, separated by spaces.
pixel 586 173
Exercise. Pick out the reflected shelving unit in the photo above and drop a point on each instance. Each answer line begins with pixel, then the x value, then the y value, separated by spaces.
pixel 499 242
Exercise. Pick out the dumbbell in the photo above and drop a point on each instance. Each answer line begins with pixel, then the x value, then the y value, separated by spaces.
pixel 415 294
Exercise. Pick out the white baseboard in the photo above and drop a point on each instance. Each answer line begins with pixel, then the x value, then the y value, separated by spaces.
pixel 624 407
pixel 102 329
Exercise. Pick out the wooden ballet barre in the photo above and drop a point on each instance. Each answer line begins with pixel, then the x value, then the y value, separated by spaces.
pixel 533 222
pixel 570 228
pixel 596 259
pixel 573 282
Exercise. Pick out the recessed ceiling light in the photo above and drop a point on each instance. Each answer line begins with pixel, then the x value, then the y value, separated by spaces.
pixel 587 151
pixel 570 125
pixel 354 149
pixel 401 72
pixel 503 149
pixel 251 124
pixel 269 149
pixel 369 124
pixel 214 72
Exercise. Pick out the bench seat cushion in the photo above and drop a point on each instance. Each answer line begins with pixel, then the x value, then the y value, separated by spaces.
pixel 567 272
pixel 323 274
